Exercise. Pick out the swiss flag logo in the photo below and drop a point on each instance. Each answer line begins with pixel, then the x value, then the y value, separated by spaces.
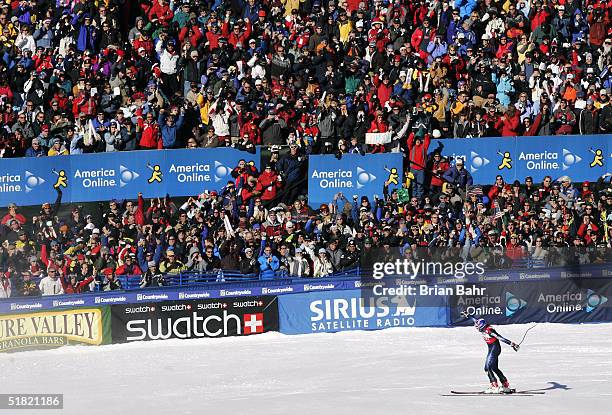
pixel 253 323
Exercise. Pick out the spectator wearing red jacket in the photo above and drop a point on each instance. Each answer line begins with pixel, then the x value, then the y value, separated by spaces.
pixel 496 189
pixel 378 125
pixel 270 183
pixel 191 33
pixel 72 286
pixel 213 34
pixel 422 36
pixel 509 123
pixel 436 168
pixel 587 224
pixel 149 133
pixel 252 188
pixel 384 90
pixel 238 34
pixel 515 251
pixel 12 214
pixel 161 12
pixel 418 145
pixel 251 130
pixel 84 104
pixel 129 267
pixel 242 172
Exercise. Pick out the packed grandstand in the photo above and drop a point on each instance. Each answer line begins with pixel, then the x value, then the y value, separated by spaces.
pixel 296 79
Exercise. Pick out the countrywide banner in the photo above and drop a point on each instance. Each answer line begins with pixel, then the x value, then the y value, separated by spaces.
pixel 52 329
pixel 576 300
pixel 579 157
pixel 118 175
pixel 194 319
pixel 352 175
pixel 325 312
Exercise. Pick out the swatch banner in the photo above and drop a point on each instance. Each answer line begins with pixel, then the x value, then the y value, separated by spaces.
pixel 514 158
pixel 118 175
pixel 194 319
pixel 576 300
pixel 51 329
pixel 326 312
pixel 352 175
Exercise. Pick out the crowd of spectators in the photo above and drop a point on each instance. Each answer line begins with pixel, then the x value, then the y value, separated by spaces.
pixel 313 77
pixel 80 77
pixel 502 225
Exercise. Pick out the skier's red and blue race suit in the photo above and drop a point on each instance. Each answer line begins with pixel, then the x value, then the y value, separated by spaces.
pixel 492 338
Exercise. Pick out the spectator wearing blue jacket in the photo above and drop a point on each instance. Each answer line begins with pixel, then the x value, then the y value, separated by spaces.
pixel 505 87
pixel 465 7
pixel 44 35
pixel 268 264
pixel 35 150
pixel 88 34
pixel 458 175
pixel 169 128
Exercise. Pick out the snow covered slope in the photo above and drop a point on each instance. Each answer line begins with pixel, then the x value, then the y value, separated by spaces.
pixel 397 371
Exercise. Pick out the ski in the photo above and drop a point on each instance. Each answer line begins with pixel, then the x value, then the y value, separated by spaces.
pixel 478 392
pixel 512 392
pixel 489 394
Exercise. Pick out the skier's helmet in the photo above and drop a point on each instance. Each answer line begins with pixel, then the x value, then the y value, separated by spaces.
pixel 480 324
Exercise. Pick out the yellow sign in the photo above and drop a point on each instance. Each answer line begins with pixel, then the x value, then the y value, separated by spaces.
pixel 597 158
pixel 156 174
pixel 393 176
pixel 51 329
pixel 506 162
pixel 62 180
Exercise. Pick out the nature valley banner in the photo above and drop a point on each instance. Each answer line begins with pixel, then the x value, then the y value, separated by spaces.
pixel 54 329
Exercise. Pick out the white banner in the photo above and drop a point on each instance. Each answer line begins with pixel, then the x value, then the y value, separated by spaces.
pixel 378 138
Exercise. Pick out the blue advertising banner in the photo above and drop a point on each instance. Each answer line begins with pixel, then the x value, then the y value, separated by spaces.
pixel 326 312
pixel 28 181
pixel 19 305
pixel 579 157
pixel 353 175
pixel 118 175
pixel 575 300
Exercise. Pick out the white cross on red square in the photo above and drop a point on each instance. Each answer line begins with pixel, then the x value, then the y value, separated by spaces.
pixel 253 323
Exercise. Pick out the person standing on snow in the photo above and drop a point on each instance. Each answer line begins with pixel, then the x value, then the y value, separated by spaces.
pixel 492 338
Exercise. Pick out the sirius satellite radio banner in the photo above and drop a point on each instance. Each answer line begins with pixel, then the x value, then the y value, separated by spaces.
pixel 352 175
pixel 117 175
pixel 332 311
pixel 579 157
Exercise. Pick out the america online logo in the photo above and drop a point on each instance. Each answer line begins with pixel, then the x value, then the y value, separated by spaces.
pixel 105 177
pixel 594 300
pixel 343 179
pixel 513 304
pixel 492 305
pixel 200 172
pixel 13 182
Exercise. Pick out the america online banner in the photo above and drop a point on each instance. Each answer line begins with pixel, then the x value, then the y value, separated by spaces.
pixel 118 175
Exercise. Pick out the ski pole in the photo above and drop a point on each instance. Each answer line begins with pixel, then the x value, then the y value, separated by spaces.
pixel 527 331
